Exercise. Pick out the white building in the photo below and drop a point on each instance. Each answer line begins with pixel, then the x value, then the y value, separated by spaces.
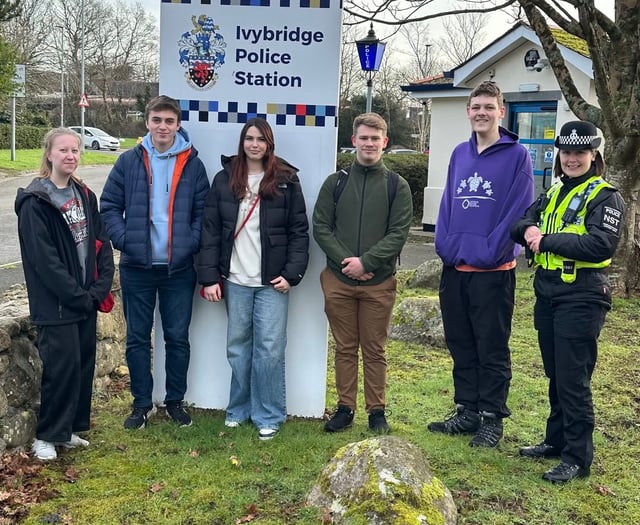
pixel 536 109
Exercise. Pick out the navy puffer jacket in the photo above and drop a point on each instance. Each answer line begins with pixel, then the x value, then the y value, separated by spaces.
pixel 284 230
pixel 124 206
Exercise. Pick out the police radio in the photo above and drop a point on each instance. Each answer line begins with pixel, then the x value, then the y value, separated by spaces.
pixel 575 205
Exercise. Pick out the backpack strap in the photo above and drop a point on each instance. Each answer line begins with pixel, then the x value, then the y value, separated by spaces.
pixel 392 186
pixel 341 182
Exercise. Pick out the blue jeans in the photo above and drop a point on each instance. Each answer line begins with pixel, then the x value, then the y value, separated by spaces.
pixel 175 299
pixel 256 342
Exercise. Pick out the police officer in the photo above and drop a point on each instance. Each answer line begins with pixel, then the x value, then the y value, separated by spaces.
pixel 571 232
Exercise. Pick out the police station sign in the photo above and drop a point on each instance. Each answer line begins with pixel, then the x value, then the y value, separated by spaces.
pixel 227 61
pixel 203 50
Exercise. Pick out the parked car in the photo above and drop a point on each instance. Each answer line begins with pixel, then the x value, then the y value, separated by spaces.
pixel 401 151
pixel 347 150
pixel 95 138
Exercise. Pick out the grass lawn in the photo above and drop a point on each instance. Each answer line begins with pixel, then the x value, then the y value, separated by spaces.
pixel 210 475
pixel 30 159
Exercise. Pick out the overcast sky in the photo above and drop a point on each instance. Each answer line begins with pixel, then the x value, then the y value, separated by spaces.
pixel 153 7
pixel 497 27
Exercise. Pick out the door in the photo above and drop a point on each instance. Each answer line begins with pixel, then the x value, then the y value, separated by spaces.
pixel 535 124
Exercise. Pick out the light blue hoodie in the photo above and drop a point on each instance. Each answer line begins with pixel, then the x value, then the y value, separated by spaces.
pixel 162 167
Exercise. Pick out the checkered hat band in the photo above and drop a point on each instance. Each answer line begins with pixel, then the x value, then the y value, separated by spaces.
pixel 576 140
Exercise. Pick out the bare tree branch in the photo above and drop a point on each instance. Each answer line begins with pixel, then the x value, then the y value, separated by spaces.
pixel 386 8
pixel 578 104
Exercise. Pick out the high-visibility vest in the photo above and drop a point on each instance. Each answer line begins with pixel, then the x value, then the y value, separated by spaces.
pixel 568 216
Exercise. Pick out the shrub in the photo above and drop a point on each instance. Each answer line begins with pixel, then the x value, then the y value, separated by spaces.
pixel 414 169
pixel 27 137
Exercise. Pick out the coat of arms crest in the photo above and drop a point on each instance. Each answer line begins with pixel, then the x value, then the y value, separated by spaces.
pixel 202 51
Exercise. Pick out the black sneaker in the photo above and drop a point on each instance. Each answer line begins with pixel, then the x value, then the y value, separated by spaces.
pixel 461 421
pixel 138 417
pixel 489 433
pixel 564 472
pixel 378 423
pixel 541 451
pixel 341 420
pixel 178 413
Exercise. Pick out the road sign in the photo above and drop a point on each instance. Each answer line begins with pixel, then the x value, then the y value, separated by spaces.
pixel 84 103
pixel 19 80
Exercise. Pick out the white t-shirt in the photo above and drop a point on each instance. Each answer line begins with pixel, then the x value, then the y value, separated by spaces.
pixel 246 257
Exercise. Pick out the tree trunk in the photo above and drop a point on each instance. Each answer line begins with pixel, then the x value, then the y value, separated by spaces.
pixel 624 271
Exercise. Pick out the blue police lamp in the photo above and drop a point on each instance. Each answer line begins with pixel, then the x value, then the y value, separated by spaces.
pixel 370 51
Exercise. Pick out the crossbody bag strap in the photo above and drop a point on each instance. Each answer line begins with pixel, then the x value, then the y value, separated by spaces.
pixel 253 207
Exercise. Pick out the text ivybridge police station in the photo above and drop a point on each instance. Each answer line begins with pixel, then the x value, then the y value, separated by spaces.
pixel 259 53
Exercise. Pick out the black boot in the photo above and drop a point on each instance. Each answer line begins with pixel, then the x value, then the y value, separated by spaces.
pixel 564 472
pixel 541 451
pixel 461 421
pixel 489 433
pixel 341 420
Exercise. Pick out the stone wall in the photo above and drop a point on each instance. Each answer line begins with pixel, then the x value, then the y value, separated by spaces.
pixel 21 369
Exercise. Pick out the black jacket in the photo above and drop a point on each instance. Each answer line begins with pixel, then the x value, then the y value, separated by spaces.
pixel 598 244
pixel 55 284
pixel 284 230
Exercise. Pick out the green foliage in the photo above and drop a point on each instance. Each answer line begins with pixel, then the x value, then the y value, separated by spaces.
pixel 399 130
pixel 414 168
pixel 7 67
pixel 143 100
pixel 28 117
pixel 9 9
pixel 27 137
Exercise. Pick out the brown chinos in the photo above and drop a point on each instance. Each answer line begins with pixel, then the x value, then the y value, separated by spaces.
pixel 359 316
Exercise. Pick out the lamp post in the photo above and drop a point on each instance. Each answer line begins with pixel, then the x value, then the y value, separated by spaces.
pixel 61 78
pixel 370 51
pixel 82 108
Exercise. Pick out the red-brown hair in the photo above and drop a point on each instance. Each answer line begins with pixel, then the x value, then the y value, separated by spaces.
pixel 271 164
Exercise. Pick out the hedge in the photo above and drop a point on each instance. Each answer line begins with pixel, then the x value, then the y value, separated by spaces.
pixel 27 137
pixel 414 169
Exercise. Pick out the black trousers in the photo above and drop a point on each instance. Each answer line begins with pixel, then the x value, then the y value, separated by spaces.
pixel 68 354
pixel 477 309
pixel 568 333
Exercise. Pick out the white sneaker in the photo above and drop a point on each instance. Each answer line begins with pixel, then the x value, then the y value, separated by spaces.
pixel 232 424
pixel 44 450
pixel 266 434
pixel 75 441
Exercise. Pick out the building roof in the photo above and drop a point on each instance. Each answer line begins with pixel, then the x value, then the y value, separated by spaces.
pixel 573 50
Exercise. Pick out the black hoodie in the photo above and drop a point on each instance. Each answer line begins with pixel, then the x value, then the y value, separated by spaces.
pixel 58 292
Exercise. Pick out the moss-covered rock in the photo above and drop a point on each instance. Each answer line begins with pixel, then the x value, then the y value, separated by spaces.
pixel 418 320
pixel 383 480
pixel 427 275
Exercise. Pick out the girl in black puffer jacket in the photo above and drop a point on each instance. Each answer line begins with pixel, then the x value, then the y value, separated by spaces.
pixel 255 246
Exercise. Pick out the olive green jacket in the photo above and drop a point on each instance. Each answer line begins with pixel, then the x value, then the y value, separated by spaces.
pixel 362 223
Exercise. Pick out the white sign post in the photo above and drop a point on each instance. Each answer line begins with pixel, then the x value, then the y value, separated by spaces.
pixel 19 92
pixel 227 61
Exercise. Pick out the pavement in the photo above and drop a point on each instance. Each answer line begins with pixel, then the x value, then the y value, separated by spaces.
pixel 418 249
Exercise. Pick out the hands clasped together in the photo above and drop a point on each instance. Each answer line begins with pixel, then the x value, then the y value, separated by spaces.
pixel 352 268
pixel 533 236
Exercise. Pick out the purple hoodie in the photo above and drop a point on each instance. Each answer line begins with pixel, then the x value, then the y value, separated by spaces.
pixel 484 195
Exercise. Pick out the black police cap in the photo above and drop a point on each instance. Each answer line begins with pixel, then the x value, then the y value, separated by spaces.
pixel 578 134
